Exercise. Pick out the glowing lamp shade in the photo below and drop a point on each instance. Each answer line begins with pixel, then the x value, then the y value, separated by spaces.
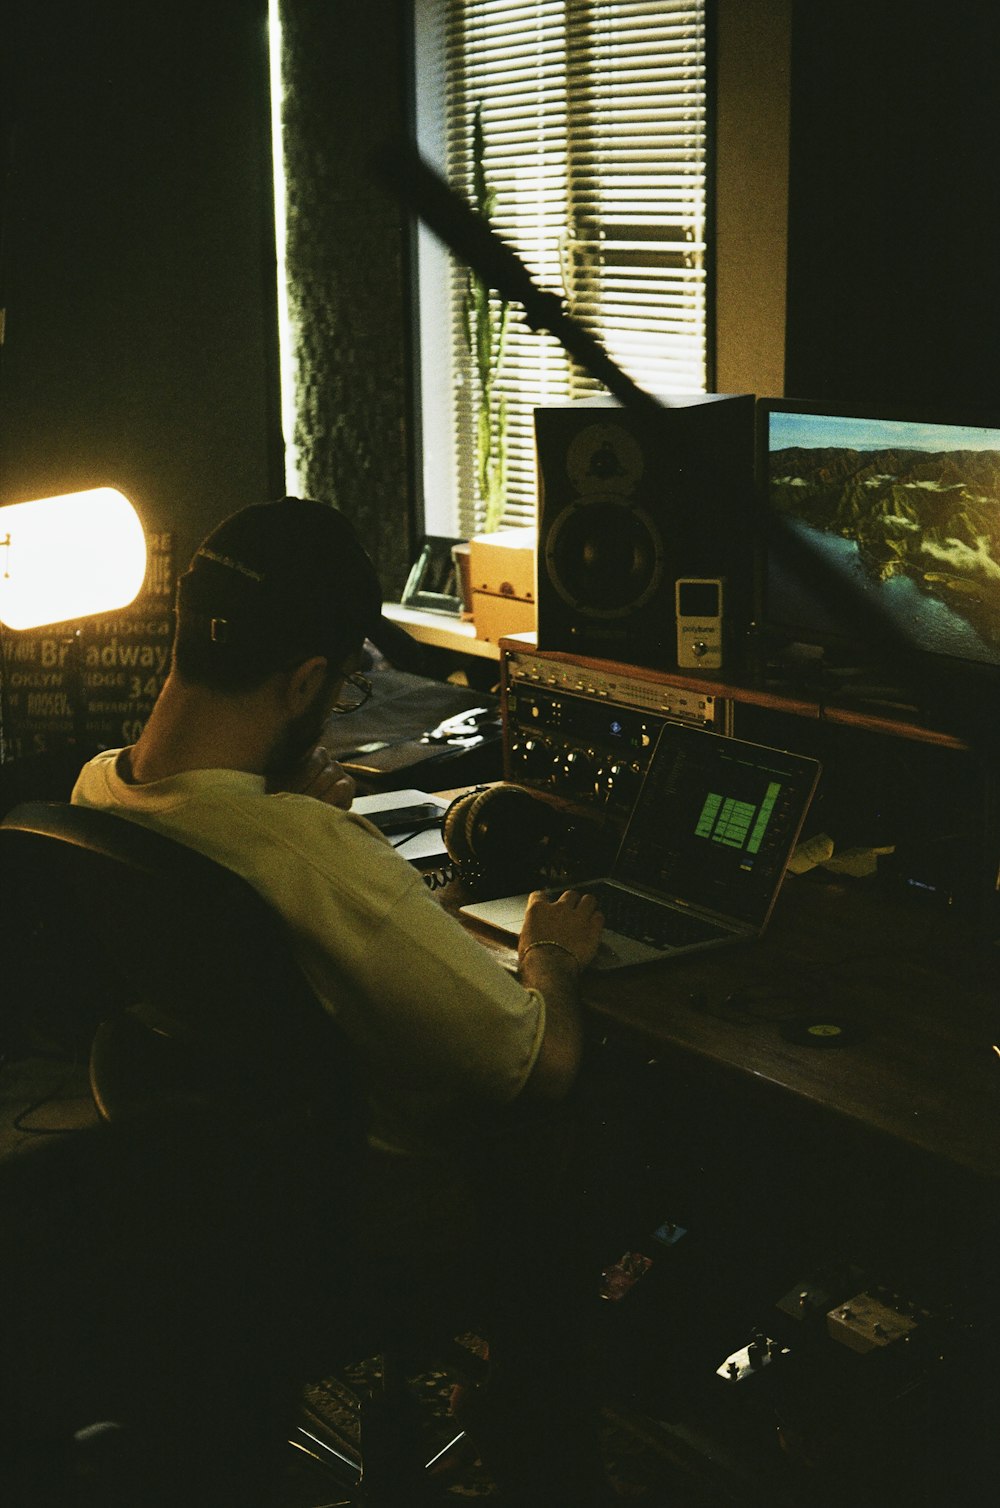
pixel 67 557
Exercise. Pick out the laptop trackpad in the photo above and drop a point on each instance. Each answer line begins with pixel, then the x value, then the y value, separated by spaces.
pixel 615 951
pixel 506 914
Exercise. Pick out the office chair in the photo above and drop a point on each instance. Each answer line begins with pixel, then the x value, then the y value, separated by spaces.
pixel 231 1127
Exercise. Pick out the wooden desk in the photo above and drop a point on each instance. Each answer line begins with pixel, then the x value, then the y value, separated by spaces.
pixel 915 985
pixel 794 1169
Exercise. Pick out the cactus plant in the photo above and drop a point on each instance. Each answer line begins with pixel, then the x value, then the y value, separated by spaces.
pixel 486 318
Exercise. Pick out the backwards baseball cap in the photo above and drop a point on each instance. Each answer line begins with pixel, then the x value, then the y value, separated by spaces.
pixel 282 579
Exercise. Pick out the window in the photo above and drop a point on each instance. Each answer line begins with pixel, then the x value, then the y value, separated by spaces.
pixel 594 129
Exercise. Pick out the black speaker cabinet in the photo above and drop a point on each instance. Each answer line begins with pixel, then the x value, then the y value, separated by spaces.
pixel 627 504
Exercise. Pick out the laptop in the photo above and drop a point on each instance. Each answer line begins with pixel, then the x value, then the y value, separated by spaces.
pixel 703 854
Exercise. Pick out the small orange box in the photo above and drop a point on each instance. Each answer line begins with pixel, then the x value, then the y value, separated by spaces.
pixel 496 616
pixel 502 569
pixel 503 563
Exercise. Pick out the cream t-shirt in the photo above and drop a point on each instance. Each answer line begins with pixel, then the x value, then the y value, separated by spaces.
pixel 441 1027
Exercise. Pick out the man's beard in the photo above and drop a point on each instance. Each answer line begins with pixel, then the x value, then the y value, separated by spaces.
pixel 302 733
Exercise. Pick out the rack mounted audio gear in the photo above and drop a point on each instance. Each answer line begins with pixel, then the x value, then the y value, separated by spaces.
pixel 584 731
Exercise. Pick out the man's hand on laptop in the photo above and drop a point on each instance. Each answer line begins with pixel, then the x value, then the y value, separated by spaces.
pixel 568 927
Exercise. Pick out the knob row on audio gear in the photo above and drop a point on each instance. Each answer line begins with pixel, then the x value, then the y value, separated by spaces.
pixel 584 775
pixel 594 755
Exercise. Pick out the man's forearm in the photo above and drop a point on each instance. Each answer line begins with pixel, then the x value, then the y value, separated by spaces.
pixel 553 973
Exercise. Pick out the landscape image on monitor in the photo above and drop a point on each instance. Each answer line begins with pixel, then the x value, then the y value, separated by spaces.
pixel 906 514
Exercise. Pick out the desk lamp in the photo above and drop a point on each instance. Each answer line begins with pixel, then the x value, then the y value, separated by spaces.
pixel 66 558
pixel 69 557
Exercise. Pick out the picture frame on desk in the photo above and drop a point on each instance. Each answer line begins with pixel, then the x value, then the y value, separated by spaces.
pixel 433 583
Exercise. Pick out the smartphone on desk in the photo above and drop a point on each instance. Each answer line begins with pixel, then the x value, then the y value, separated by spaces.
pixel 406 819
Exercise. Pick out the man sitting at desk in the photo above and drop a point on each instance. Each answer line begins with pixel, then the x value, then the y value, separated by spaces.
pixel 272 616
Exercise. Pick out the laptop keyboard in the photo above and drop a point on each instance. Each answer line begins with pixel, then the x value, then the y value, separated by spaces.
pixel 646 921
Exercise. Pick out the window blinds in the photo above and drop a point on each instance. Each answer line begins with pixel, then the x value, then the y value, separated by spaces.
pixel 593 115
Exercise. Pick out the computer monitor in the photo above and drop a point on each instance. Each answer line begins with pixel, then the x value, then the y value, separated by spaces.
pixel 882 535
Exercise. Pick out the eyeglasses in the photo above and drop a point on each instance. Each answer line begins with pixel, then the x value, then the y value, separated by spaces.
pixel 354 692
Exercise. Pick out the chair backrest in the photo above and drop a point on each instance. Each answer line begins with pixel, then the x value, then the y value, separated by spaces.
pixel 171 930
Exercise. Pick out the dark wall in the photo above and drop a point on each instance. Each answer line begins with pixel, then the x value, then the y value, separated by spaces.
pixel 138 257
pixel 137 253
pixel 893 287
pixel 347 92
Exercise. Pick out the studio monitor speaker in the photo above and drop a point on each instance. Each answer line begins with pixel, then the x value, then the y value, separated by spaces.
pixel 630 502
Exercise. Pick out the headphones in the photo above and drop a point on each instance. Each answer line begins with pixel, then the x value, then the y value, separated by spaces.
pixel 503 831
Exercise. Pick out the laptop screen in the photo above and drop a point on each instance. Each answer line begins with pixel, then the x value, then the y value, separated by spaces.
pixel 716 821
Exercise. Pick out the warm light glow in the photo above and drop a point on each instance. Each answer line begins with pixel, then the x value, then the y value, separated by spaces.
pixel 67 557
pixel 287 365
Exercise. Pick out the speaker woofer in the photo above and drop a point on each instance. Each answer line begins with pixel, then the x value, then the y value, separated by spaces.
pixel 604 556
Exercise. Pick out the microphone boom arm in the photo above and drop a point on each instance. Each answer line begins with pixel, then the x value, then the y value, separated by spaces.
pixel 475 243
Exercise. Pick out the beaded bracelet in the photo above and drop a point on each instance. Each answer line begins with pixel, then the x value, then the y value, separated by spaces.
pixel 548 943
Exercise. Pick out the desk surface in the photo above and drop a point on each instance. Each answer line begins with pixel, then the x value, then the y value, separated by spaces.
pixel 441 630
pixel 913 984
